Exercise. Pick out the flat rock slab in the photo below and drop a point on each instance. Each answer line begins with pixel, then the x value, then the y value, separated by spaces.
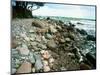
pixel 25 68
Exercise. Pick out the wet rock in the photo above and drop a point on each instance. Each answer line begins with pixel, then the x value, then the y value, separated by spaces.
pixel 24 68
pixel 91 38
pixel 51 44
pixel 92 58
pixel 81 31
pixel 80 23
pixel 48 18
pixel 84 66
pixel 38 63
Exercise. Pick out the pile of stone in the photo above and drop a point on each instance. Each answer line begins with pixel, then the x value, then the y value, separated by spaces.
pixel 47 45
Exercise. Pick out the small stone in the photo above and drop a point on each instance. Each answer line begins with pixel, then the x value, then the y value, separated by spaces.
pixel 38 63
pixel 62 40
pixel 71 54
pixel 46 68
pixel 14 43
pixel 33 69
pixel 13 70
pixel 58 27
pixel 53 29
pixel 33 43
pixel 51 60
pixel 44 39
pixel 84 66
pixel 27 39
pixel 63 68
pixel 51 44
pixel 68 39
pixel 24 68
pixel 42 51
pixel 46 55
pixel 31 31
pixel 48 36
pixel 23 51
pixel 42 46
pixel 45 62
pixel 38 38
pixel 31 57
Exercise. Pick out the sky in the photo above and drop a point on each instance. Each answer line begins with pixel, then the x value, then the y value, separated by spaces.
pixel 75 11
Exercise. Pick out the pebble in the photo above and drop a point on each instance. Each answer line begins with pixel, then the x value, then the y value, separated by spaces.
pixel 38 63
pixel 46 68
pixel 33 69
pixel 46 55
pixel 23 51
pixel 51 60
pixel 25 68
pixel 31 31
pixel 14 44
pixel 45 63
pixel 51 44
pixel 27 38
pixel 53 29
pixel 48 36
pixel 31 57
pixel 68 39
pixel 13 70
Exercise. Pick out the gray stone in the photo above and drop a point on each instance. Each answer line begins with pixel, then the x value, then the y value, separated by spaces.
pixel 51 44
pixel 38 63
pixel 42 46
pixel 68 39
pixel 13 71
pixel 48 36
pixel 23 51
pixel 31 57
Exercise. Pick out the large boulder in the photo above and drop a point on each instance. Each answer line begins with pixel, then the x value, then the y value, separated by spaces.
pixel 82 31
pixel 92 58
pixel 91 38
pixel 25 68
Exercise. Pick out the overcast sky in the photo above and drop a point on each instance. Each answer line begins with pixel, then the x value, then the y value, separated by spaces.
pixel 66 11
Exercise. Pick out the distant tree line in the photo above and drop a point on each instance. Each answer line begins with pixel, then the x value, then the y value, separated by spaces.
pixel 23 9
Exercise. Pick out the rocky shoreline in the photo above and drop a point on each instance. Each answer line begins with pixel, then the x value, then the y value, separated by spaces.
pixel 48 45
